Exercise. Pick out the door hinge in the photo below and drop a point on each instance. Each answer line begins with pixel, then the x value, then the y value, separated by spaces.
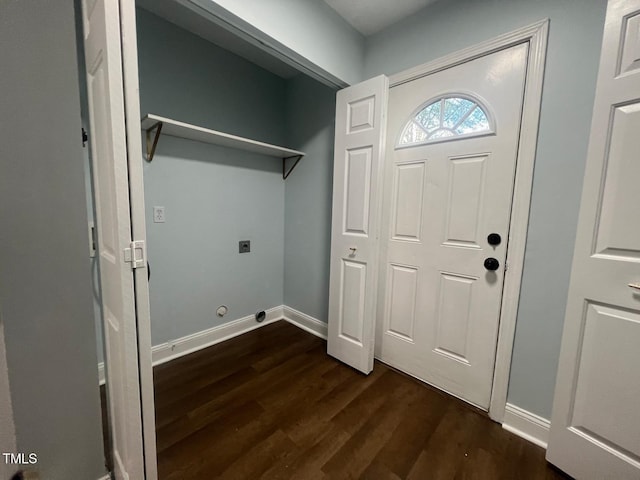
pixel 136 254
pixel 506 266
pixel 85 137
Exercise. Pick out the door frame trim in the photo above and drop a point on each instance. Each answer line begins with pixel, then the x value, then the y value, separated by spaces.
pixel 536 35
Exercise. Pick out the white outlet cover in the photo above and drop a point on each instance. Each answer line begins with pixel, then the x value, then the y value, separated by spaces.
pixel 158 215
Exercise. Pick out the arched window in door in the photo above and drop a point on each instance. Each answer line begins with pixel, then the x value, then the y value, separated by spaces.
pixel 448 117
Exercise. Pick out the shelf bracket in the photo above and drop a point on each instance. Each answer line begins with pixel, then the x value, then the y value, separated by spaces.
pixel 151 146
pixel 285 172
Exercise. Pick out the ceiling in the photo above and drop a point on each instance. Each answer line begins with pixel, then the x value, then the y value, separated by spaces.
pixel 371 16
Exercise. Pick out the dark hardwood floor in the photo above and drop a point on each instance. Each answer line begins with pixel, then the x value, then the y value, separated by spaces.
pixel 272 404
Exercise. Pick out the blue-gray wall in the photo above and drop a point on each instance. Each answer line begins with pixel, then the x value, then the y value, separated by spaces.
pixel 310 128
pixel 572 63
pixel 213 196
pixel 45 276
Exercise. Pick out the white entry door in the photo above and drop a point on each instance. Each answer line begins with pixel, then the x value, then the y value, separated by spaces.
pixel 450 165
pixel 102 41
pixel 595 426
pixel 357 178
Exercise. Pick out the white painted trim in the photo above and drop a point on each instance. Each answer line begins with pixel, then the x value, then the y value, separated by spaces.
pixel 527 425
pixel 197 341
pixel 536 35
pixel 305 322
pixel 106 477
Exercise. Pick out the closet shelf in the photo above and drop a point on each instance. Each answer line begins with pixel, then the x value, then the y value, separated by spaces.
pixel 174 128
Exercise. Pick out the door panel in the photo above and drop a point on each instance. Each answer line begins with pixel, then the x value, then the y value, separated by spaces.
pixel 352 301
pixel 360 128
pixel 357 191
pixel 617 236
pixel 407 201
pixel 595 426
pixel 465 197
pixel 453 316
pixel 113 222
pixel 403 289
pixel 445 198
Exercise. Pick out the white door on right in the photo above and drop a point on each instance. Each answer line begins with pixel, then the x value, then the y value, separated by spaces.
pixel 450 164
pixel 595 426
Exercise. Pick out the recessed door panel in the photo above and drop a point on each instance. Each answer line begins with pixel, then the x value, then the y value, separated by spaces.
pixel 453 315
pixel 360 116
pixel 630 58
pixel 401 310
pixel 611 386
pixel 354 278
pixel 407 206
pixel 617 235
pixel 357 191
pixel 465 200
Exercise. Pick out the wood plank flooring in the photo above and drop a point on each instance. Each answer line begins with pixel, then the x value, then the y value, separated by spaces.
pixel 271 404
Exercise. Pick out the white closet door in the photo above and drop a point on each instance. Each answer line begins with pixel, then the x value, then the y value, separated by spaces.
pixel 101 20
pixel 595 427
pixel 357 185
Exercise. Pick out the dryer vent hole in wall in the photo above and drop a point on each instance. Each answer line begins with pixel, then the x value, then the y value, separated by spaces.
pixel 260 316
pixel 244 246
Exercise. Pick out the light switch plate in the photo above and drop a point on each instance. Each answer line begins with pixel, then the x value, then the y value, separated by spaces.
pixel 158 215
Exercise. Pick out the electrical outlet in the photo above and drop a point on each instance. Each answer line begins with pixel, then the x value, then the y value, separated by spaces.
pixel 244 246
pixel 158 215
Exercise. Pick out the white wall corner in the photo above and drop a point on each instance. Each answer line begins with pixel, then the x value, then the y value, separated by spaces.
pixel 527 425
pixel 305 322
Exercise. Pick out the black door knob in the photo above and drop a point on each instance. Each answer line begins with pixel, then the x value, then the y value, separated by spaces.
pixel 491 264
pixel 494 239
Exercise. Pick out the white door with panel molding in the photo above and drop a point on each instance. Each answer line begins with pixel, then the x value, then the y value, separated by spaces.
pixel 359 145
pixel 595 426
pixel 105 91
pixel 449 176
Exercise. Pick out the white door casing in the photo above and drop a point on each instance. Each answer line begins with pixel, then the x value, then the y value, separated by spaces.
pixel 101 25
pixel 439 308
pixel 357 178
pixel 595 427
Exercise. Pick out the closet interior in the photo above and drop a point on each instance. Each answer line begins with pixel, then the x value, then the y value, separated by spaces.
pixel 238 159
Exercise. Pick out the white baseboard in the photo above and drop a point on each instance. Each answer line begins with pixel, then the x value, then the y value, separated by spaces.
pixel 168 351
pixel 197 341
pixel 527 425
pixel 305 322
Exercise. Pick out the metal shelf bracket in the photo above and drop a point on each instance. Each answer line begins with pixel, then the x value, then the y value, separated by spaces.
pixel 151 146
pixel 285 172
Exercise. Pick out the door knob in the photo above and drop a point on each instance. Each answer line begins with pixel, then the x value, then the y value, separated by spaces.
pixel 494 239
pixel 491 264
